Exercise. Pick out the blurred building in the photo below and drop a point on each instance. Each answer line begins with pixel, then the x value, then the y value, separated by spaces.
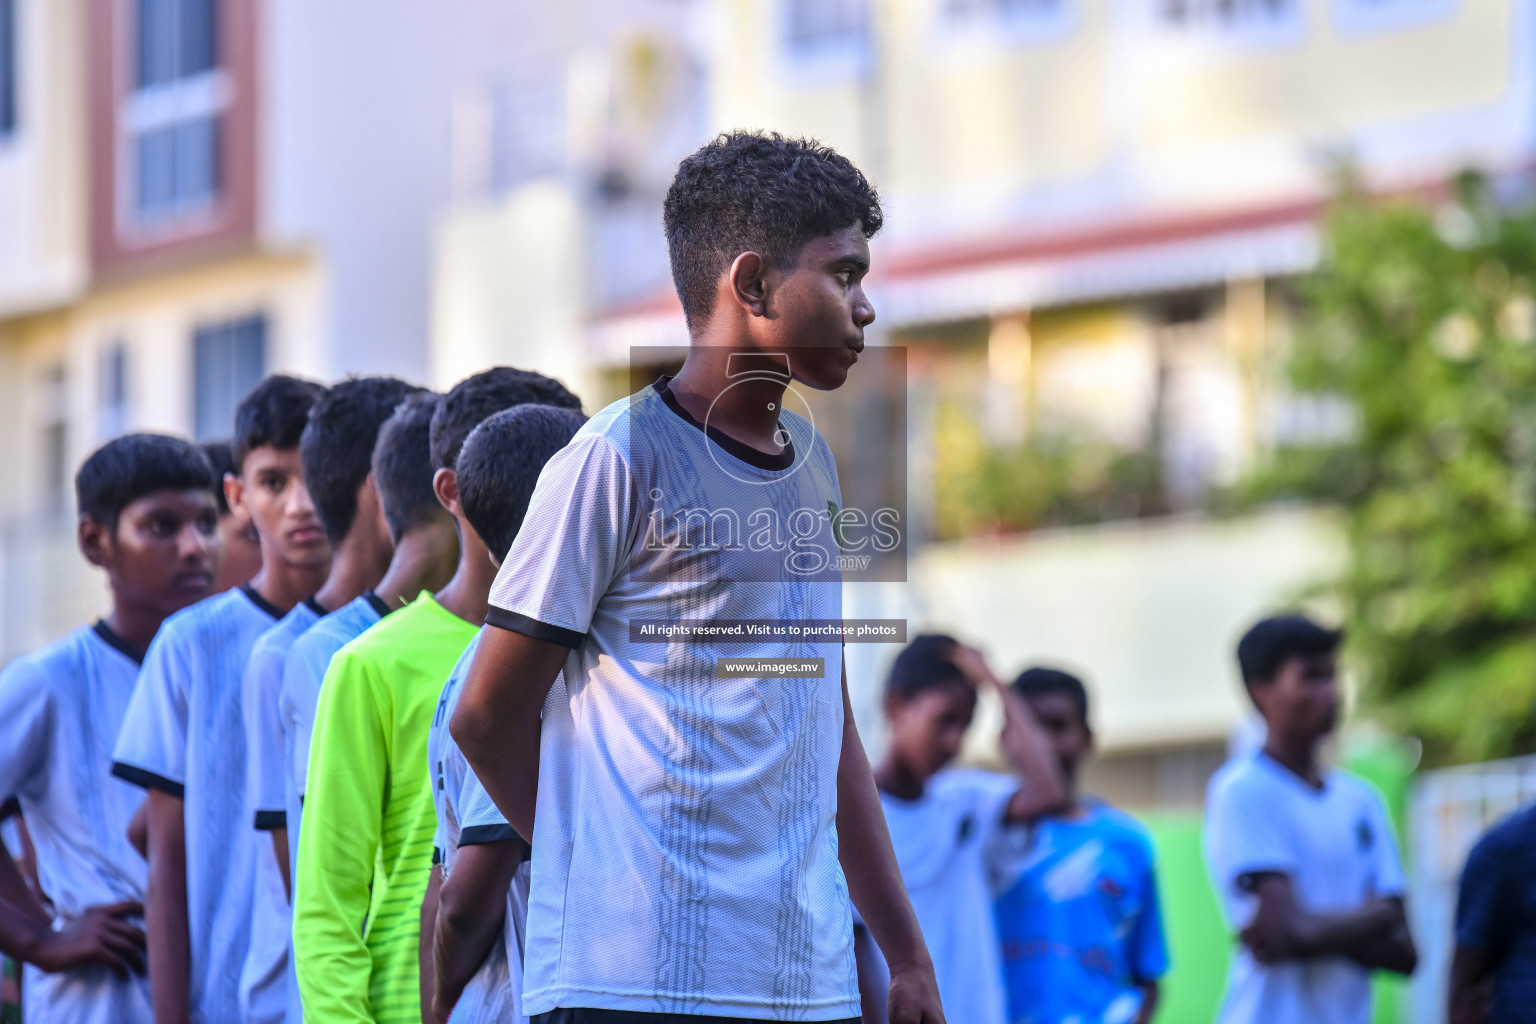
pixel 194 193
pixel 1094 212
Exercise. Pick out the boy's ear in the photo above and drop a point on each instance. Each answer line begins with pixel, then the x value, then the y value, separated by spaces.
pixel 96 542
pixel 748 285
pixel 234 492
pixel 445 484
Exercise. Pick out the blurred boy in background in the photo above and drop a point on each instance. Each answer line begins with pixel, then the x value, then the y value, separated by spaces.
pixel 1078 918
pixel 947 824
pixel 356 932
pixel 146 517
pixel 335 452
pixel 183 737
pixel 1302 856
pixel 476 940
pixel 239 547
pixel 1493 974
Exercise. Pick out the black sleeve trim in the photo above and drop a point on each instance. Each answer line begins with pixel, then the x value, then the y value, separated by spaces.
pixel 10 808
pixel 148 780
pixel 1248 881
pixel 437 856
pixel 527 626
pixel 266 821
pixel 479 835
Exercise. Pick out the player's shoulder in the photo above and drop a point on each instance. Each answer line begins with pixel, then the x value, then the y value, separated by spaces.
pixel 1515 832
pixel 1119 827
pixel 1360 792
pixel 1242 779
pixel 971 783
pixel 211 613
pixel 54 665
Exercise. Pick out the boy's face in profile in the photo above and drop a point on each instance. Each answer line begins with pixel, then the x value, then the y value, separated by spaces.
pixel 1303 697
pixel 162 554
pixel 926 730
pixel 1070 737
pixel 820 309
pixel 270 489
pixel 240 557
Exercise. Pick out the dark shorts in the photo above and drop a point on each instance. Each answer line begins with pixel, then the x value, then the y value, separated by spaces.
pixel 579 1015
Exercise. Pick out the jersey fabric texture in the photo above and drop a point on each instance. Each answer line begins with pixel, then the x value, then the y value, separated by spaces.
pixel 369 803
pixel 303 669
pixel 1335 845
pixel 686 854
pixel 1078 919
pixel 184 734
pixel 272 921
pixel 466 816
pixel 60 709
pixel 1496 914
pixel 946 843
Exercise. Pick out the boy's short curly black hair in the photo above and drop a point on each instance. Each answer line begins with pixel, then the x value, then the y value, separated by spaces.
pixel 337 445
pixel 402 466
pixel 482 394
pixel 134 466
pixel 222 459
pixel 927 663
pixel 757 192
pixel 273 414
pixel 1271 642
pixel 1041 679
pixel 501 461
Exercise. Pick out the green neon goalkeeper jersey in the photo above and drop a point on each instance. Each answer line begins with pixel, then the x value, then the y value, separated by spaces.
pixel 365 849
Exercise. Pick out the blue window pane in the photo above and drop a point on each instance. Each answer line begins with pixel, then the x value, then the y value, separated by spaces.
pixel 8 73
pixel 156 165
pixel 196 175
pixel 229 360
pixel 155 42
pixel 198 37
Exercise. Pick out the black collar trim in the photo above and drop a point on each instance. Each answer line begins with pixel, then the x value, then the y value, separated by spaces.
pixel 745 452
pixel 259 601
pixel 117 643
pixel 315 606
pixel 378 603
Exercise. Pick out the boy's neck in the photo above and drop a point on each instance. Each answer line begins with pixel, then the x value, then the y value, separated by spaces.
pixel 467 595
pixel 358 564
pixel 718 396
pixel 425 559
pixel 894 777
pixel 134 624
pixel 1298 755
pixel 283 586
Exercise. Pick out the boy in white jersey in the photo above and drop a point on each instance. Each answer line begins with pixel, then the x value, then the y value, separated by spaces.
pixel 146 517
pixel 482 874
pixel 335 451
pixel 426 552
pixel 183 737
pixel 948 824
pixel 694 833
pixel 1302 856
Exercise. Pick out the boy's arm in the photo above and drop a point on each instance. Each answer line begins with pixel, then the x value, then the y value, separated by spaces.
pixel 264 752
pixel 1149 994
pixel 471 908
pixel 338 844
pixel 874 883
pixel 1375 936
pixel 427 926
pixel 165 918
pixel 1471 994
pixel 497 721
pixel 1024 743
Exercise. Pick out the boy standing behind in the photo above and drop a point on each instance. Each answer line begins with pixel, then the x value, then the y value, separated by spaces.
pixel 1302 856
pixel 355 933
pixel 148 518
pixel 483 896
pixel 335 451
pixel 1081 932
pixel 183 737
pixel 948 824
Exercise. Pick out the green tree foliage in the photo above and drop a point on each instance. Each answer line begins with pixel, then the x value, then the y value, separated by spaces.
pixel 1424 319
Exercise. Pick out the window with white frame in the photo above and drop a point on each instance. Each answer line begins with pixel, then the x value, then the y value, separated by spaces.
pixel 229 359
pixel 8 71
pixel 1241 17
pixel 173 113
pixel 1008 21
pixel 112 390
pixel 817 30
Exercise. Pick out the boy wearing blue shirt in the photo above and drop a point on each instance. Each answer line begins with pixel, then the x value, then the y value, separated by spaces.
pixel 1081 932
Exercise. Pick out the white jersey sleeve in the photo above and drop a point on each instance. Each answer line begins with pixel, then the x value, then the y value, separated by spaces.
pixel 1388 868
pixel 1244 835
pixel 573 542
pixel 259 690
pixel 151 748
pixel 26 706
pixel 480 820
